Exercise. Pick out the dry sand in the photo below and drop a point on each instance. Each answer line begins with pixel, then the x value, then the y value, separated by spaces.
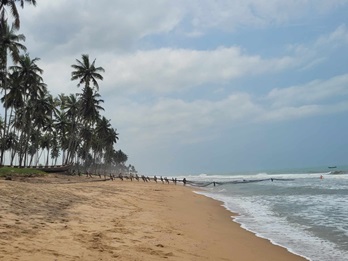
pixel 60 218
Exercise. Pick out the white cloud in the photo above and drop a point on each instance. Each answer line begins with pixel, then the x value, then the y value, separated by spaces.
pixel 168 120
pixel 336 38
pixel 96 26
pixel 304 111
pixel 171 70
pixel 312 92
pixel 232 14
pixel 174 119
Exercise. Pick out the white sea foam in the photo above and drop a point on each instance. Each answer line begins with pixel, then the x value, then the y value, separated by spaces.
pixel 256 216
pixel 206 177
pixel 302 212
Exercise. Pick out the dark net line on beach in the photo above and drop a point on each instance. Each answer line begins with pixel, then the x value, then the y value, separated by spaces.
pixel 244 181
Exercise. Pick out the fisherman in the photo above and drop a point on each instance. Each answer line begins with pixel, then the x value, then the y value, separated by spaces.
pixel 143 178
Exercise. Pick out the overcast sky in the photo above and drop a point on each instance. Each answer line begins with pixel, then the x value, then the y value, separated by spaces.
pixel 205 86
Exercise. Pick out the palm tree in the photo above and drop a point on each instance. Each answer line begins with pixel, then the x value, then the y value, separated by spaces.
pixel 120 157
pixel 86 72
pixel 61 126
pixel 103 140
pixel 11 5
pixel 89 106
pixel 70 106
pixel 33 113
pixel 30 73
pixel 89 103
pixel 9 44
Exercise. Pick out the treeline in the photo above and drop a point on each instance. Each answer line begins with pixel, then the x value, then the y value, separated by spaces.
pixel 69 128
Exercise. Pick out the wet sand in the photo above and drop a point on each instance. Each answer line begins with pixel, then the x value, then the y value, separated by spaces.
pixel 77 218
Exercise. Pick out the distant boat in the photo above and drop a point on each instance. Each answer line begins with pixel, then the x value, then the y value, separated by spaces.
pixel 332 167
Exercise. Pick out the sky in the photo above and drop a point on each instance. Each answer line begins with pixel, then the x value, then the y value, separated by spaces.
pixel 205 86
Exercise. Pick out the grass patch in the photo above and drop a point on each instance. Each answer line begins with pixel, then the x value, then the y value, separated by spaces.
pixel 20 172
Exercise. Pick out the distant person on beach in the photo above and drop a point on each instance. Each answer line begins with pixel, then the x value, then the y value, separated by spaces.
pixel 184 181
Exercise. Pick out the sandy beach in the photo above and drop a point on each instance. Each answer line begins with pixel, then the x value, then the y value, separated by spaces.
pixel 78 218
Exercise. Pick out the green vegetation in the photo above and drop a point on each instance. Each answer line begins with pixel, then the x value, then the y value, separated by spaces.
pixel 22 172
pixel 68 128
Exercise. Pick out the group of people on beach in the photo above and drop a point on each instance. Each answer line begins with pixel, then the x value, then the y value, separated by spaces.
pixel 147 178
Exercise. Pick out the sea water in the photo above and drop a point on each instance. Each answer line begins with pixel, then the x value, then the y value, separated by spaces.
pixel 305 212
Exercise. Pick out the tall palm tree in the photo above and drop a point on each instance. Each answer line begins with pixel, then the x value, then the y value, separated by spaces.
pixel 87 72
pixel 9 45
pixel 70 106
pixel 34 91
pixel 90 106
pixel 30 73
pixel 11 5
pixel 61 126
pixel 103 140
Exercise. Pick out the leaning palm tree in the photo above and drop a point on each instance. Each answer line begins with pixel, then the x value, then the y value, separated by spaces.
pixel 11 5
pixel 87 72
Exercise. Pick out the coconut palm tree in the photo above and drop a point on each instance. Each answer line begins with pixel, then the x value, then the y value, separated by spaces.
pixel 90 106
pixel 86 72
pixel 103 140
pixel 30 73
pixel 70 106
pixel 32 115
pixel 9 45
pixel 61 126
pixel 11 5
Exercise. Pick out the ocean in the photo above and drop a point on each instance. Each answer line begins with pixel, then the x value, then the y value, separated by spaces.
pixel 305 211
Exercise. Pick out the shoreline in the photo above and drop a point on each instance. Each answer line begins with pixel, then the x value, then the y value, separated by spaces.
pixel 234 215
pixel 74 218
